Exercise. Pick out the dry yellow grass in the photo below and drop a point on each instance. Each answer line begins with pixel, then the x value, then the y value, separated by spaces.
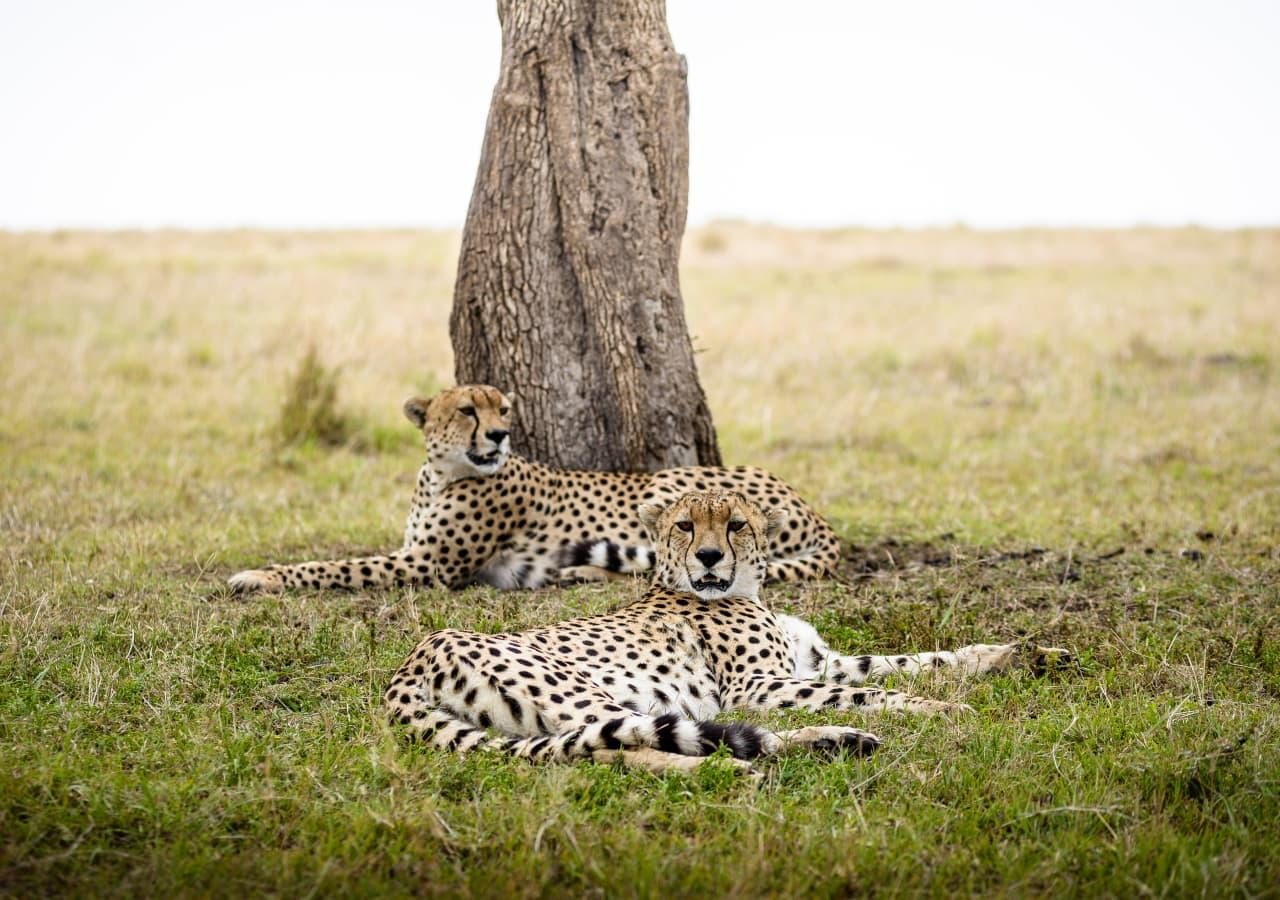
pixel 1015 366
pixel 942 378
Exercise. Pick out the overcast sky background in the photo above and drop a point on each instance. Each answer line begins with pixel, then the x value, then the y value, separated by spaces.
pixel 912 112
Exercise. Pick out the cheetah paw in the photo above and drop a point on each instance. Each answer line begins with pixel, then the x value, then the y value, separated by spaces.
pixel 256 580
pixel 978 659
pixel 568 576
pixel 833 740
pixel 936 707
pixel 1050 659
pixel 659 762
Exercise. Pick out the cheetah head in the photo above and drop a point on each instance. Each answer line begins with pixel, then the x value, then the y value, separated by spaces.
pixel 467 430
pixel 711 543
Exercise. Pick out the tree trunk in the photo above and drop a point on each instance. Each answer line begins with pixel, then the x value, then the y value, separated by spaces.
pixel 568 294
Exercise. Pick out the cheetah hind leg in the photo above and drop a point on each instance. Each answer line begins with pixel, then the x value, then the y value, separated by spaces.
pixel 831 739
pixel 267 581
pixel 1043 660
pixel 570 575
pixel 660 762
pixel 979 659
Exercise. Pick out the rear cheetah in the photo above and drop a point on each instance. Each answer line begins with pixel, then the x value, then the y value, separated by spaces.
pixel 482 514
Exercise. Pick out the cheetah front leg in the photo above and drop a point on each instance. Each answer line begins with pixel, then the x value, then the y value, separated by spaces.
pixel 831 739
pixel 402 567
pixel 659 762
pixel 571 575
pixel 814 659
pixel 765 693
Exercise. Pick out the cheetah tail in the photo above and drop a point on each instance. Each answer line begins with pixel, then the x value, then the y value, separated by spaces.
pixel 608 555
pixel 668 733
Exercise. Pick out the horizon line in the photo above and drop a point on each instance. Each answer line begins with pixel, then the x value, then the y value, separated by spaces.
pixel 723 221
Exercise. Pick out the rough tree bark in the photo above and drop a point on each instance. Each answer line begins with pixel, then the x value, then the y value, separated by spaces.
pixel 568 294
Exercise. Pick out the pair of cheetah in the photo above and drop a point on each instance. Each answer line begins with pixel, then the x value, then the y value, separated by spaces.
pixel 640 685
pixel 483 515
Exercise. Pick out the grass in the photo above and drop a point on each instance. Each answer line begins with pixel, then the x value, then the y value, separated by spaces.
pixel 310 410
pixel 1068 435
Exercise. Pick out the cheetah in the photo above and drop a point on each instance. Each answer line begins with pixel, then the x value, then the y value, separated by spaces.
pixel 481 514
pixel 643 684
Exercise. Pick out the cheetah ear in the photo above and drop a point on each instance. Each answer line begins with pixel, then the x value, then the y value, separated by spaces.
pixel 774 519
pixel 415 410
pixel 649 514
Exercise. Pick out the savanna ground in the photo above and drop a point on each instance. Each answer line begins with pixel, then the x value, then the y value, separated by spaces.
pixel 1073 436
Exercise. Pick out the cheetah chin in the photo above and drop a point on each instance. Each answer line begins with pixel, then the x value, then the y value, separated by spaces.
pixel 486 460
pixel 710 584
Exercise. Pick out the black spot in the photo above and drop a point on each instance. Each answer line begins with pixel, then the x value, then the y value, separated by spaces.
pixel 517 712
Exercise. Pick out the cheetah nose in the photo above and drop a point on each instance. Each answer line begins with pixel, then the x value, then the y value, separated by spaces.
pixel 709 556
pixel 496 435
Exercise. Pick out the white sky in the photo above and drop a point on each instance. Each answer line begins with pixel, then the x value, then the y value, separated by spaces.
pixel 897 112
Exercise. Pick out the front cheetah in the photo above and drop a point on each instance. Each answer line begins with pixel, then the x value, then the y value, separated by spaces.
pixel 643 683
pixel 482 514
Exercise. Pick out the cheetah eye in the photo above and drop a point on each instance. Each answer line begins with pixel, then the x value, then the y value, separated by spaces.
pixel 736 525
pixel 686 526
pixel 504 410
pixel 467 411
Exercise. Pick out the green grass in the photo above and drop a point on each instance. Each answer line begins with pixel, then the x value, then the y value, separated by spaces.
pixel 1071 436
